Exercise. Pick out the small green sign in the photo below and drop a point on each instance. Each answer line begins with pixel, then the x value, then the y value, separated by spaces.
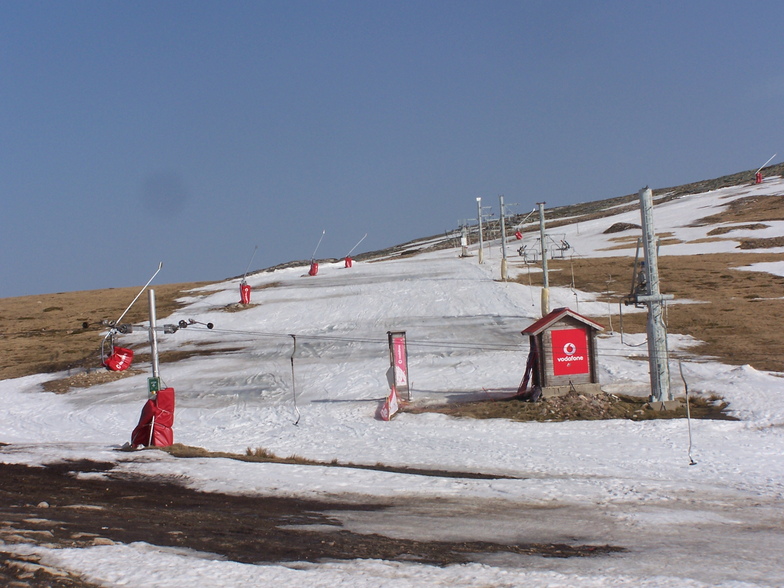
pixel 153 385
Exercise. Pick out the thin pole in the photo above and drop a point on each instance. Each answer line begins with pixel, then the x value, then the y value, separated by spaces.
pixel 479 218
pixel 503 239
pixel 357 245
pixel 250 262
pixel 766 163
pixel 312 257
pixel 153 335
pixel 545 277
pixel 293 381
pixel 160 265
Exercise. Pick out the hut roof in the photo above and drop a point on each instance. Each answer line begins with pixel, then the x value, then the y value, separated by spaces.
pixel 555 316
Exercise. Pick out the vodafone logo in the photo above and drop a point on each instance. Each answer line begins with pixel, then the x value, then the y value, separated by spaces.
pixel 569 354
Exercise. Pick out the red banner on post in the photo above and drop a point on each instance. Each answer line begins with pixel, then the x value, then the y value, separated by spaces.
pixel 398 356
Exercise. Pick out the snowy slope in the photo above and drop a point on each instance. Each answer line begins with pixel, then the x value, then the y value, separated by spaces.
pixel 621 482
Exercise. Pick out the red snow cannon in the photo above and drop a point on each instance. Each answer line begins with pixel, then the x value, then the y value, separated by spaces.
pixel 120 359
pixel 156 421
pixel 313 268
pixel 518 235
pixel 349 261
pixel 244 293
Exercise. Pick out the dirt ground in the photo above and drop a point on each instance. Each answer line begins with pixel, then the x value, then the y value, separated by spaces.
pixel 583 407
pixel 52 507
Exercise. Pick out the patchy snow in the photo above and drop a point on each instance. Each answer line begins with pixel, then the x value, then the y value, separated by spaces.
pixel 716 523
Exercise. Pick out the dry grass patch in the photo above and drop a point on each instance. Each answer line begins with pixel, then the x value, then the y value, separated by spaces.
pixel 261 455
pixel 87 379
pixel 725 230
pixel 739 322
pixel 579 407
pixel 751 209
pixel 46 333
pixel 761 243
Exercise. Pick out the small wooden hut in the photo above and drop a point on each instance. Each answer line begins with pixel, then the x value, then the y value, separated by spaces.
pixel 563 354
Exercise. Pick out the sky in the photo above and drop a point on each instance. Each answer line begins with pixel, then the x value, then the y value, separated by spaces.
pixel 193 132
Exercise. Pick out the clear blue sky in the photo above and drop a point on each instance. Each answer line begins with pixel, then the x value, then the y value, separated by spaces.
pixel 190 132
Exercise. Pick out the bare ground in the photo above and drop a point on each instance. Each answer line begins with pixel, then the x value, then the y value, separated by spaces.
pixel 52 507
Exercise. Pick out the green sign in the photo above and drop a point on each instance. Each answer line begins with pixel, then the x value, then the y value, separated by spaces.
pixel 153 385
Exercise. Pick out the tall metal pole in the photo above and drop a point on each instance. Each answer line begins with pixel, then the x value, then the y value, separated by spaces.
pixel 658 355
pixel 153 335
pixel 481 241
pixel 545 277
pixel 503 239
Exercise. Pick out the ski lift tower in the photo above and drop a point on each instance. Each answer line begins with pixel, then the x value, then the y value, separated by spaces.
pixel 658 355
pixel 545 278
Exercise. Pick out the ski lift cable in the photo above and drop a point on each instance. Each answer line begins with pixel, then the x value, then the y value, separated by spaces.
pixel 688 410
pixel 339 339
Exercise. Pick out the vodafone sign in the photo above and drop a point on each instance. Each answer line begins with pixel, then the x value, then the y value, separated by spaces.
pixel 570 352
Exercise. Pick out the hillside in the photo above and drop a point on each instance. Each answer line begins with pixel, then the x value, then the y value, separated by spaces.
pixel 47 333
pixel 283 473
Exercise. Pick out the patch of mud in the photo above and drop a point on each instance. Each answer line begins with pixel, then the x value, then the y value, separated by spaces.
pixel 53 507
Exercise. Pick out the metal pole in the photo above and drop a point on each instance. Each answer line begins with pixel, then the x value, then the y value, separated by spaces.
pixel 545 278
pixel 153 336
pixel 503 239
pixel 658 356
pixel 481 241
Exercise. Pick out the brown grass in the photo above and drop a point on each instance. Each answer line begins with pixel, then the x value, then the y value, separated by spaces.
pixel 740 315
pixel 573 406
pixel 45 333
pixel 752 209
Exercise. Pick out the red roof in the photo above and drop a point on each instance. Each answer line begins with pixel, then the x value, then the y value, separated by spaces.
pixel 555 316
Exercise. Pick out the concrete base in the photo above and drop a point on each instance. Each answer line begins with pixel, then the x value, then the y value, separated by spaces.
pixel 563 390
pixel 667 405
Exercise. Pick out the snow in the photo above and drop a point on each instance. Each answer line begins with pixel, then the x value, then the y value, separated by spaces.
pixel 716 523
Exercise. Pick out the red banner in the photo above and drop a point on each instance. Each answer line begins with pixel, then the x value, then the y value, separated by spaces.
pixel 570 352
pixel 390 406
pixel 400 362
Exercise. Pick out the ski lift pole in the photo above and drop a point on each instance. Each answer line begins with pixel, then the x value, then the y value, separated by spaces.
pixel 153 335
pixel 293 380
pixel 766 163
pixel 545 277
pixel 160 265
pixel 503 238
pixel 357 245
pixel 256 248
pixel 312 257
